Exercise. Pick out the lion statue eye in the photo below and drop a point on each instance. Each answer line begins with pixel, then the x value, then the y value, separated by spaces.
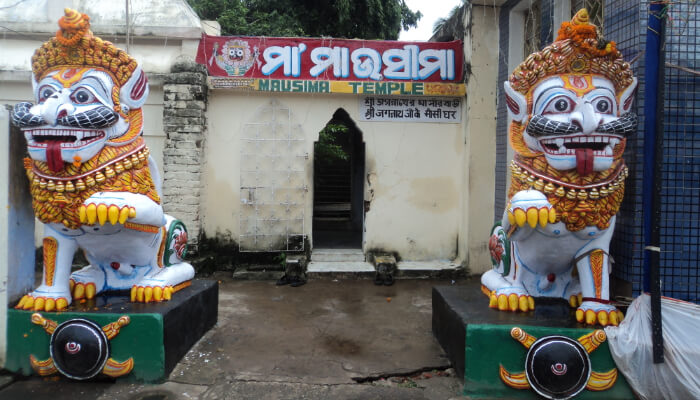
pixel 83 96
pixel 602 105
pixel 559 105
pixel 45 92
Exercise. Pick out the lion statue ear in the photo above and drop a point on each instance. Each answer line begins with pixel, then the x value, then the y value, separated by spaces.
pixel 135 91
pixel 627 98
pixel 517 105
pixel 34 84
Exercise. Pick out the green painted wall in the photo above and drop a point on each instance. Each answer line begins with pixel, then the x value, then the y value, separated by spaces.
pixel 487 346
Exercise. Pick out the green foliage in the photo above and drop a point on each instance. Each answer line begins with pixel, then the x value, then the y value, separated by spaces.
pixel 281 258
pixel 451 27
pixel 364 19
pixel 327 148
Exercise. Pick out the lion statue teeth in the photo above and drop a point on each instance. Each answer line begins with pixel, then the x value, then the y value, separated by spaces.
pixel 92 181
pixel 570 106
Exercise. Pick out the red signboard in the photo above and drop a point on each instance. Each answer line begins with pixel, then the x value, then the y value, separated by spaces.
pixel 331 59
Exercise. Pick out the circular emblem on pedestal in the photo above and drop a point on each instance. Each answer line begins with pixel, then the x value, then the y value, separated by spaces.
pixel 557 367
pixel 79 349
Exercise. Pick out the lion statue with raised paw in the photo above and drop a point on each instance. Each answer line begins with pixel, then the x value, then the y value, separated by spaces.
pixel 570 108
pixel 92 181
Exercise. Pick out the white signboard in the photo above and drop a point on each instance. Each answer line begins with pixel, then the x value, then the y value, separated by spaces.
pixel 411 109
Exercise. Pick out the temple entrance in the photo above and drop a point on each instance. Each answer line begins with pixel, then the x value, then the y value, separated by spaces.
pixel 339 167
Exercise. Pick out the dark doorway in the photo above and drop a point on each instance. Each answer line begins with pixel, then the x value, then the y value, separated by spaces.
pixel 339 168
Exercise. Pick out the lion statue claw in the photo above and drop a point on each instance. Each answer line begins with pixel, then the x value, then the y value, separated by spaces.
pixel 570 108
pixel 92 181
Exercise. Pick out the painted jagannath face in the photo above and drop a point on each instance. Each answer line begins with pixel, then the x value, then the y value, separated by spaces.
pixel 577 123
pixel 236 53
pixel 74 116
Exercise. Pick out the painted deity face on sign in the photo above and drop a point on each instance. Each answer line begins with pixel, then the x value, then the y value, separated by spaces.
pixel 236 53
pixel 78 112
pixel 577 121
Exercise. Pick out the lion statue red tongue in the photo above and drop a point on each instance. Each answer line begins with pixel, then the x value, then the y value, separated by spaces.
pixel 53 155
pixel 584 161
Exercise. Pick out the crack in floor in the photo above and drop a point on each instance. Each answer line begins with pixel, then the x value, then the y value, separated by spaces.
pixel 414 373
pixel 407 374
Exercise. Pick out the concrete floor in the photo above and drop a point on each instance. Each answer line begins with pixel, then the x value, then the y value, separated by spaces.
pixel 328 339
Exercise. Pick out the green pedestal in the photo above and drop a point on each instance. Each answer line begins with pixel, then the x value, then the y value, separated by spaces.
pixel 157 336
pixel 489 345
pixel 477 340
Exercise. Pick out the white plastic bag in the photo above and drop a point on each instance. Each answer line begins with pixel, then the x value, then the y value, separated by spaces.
pixel 630 344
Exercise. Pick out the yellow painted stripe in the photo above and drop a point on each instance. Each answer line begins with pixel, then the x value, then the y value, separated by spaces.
pixel 516 381
pixel 346 87
pixel 600 381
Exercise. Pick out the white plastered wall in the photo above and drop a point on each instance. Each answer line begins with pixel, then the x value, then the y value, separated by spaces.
pixel 412 172
pixel 478 180
pixel 16 225
pixel 516 44
pixel 561 13
pixel 4 243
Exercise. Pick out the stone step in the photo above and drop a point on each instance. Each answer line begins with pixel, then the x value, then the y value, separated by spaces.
pixel 357 270
pixel 404 270
pixel 429 269
pixel 337 255
pixel 340 269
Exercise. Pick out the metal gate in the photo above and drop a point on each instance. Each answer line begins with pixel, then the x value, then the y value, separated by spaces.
pixel 273 182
